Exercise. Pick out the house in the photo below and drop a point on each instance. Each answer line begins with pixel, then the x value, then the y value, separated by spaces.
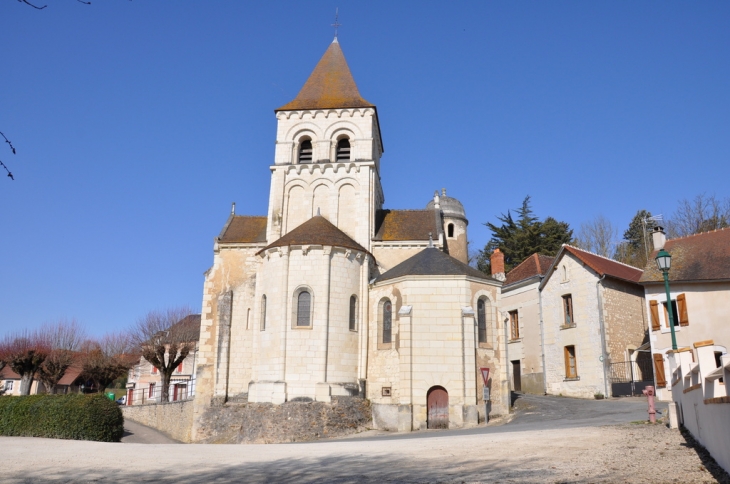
pixel 144 380
pixel 331 294
pixel 593 320
pixel 699 283
pixel 520 308
pixel 69 383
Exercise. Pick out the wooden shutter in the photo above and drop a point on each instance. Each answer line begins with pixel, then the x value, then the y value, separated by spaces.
pixel 654 306
pixel 661 381
pixel 682 310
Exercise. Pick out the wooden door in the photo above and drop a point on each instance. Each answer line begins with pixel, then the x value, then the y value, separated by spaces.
pixel 130 396
pixel 174 397
pixel 438 408
pixel 517 376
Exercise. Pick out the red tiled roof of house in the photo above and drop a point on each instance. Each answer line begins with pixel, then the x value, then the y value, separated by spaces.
pixel 699 257
pixel 316 231
pixel 330 86
pixel 392 225
pixel 535 265
pixel 8 374
pixel 72 373
pixel 244 229
pixel 604 266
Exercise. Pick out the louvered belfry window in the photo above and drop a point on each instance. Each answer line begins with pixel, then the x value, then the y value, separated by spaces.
pixel 343 150
pixel 304 303
pixel 387 321
pixel 305 151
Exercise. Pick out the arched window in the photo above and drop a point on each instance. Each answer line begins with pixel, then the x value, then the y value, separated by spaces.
pixel 481 321
pixel 263 312
pixel 387 321
pixel 305 151
pixel 304 304
pixel 343 150
pixel 353 313
pixel 451 230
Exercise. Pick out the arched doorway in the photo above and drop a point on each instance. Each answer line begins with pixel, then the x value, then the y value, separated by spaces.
pixel 438 408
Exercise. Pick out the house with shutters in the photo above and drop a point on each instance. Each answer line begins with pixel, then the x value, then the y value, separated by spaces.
pixel 332 295
pixel 593 318
pixel 522 313
pixel 699 282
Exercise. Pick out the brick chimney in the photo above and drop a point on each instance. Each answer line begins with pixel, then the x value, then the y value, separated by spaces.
pixel 496 260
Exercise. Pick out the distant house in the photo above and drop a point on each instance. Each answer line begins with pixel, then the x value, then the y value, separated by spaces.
pixel 144 380
pixel 593 320
pixel 69 383
pixel 520 307
pixel 699 280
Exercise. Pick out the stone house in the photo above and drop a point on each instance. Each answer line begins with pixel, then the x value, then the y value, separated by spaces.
pixel 593 316
pixel 296 306
pixel 521 311
pixel 699 280
pixel 144 380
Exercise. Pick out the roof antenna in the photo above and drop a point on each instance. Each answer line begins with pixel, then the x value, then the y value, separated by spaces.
pixel 336 24
pixel 430 240
pixel 233 208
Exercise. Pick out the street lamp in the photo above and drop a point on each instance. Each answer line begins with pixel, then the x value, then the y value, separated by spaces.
pixel 664 262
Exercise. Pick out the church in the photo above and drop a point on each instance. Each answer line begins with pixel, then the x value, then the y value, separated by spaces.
pixel 331 294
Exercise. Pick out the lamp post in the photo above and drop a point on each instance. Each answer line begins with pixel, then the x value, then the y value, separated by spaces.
pixel 664 262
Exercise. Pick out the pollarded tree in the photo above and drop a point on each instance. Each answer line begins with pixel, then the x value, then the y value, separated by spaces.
pixel 518 239
pixel 165 339
pixel 64 338
pixel 24 353
pixel 107 359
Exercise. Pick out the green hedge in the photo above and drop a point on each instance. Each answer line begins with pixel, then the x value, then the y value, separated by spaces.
pixel 78 417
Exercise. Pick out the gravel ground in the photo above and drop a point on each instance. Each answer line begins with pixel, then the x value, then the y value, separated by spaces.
pixel 634 453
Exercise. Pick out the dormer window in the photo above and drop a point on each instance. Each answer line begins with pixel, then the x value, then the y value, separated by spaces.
pixel 343 150
pixel 305 151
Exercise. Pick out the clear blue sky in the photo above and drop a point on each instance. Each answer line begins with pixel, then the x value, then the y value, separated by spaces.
pixel 137 123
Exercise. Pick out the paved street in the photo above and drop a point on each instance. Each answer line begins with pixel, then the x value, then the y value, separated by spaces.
pixel 550 439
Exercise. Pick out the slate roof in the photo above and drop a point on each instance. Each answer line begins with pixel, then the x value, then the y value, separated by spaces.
pixel 699 257
pixel 432 262
pixel 317 231
pixel 392 225
pixel 190 324
pixel 330 86
pixel 535 265
pixel 604 266
pixel 244 229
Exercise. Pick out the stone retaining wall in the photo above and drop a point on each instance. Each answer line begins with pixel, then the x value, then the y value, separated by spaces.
pixel 246 423
pixel 174 419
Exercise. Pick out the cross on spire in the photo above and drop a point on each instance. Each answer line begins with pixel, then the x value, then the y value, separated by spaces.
pixel 336 24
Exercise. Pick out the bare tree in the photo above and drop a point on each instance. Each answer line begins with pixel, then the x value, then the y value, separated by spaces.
pixel 107 359
pixel 64 338
pixel 24 353
pixel 701 214
pixel 598 236
pixel 165 339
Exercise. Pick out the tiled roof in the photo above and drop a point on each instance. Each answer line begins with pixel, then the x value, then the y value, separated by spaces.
pixel 72 373
pixel 699 257
pixel 432 262
pixel 8 374
pixel 317 231
pixel 330 86
pixel 244 229
pixel 604 266
pixel 190 325
pixel 392 225
pixel 535 265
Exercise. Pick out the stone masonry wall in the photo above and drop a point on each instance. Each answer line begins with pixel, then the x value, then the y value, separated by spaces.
pixel 174 419
pixel 625 320
pixel 266 423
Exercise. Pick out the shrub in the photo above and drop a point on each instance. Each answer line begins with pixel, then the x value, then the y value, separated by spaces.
pixel 78 417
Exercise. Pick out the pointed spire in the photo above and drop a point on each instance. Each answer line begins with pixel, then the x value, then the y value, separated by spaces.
pixel 330 86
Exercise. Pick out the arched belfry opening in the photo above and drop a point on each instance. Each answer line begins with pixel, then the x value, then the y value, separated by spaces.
pixel 305 151
pixel 343 150
pixel 438 408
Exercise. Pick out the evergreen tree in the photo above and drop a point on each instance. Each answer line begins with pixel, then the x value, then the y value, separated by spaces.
pixel 519 239
pixel 637 243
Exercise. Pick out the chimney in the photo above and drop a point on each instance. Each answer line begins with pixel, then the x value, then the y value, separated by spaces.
pixel 496 260
pixel 659 238
pixel 436 200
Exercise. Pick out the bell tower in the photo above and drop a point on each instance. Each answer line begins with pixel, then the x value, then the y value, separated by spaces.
pixel 327 160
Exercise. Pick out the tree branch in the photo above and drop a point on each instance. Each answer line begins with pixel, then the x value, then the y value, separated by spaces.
pixel 10 175
pixel 34 6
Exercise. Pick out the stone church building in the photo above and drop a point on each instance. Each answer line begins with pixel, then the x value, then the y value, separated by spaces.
pixel 330 294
